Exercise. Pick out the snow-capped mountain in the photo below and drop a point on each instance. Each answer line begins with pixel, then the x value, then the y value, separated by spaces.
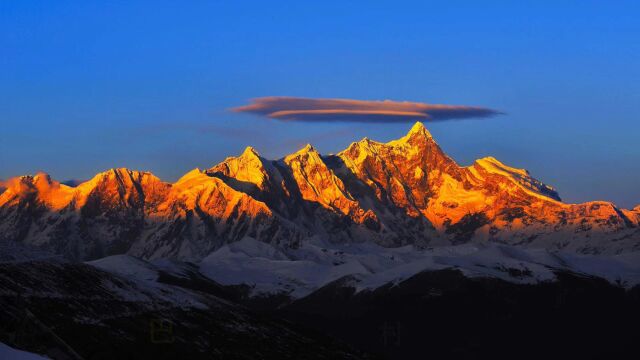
pixel 406 191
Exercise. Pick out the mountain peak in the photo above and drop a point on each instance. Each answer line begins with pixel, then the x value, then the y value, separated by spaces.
pixel 19 183
pixel 419 129
pixel 41 176
pixel 306 149
pixel 117 176
pixel 48 191
pixel 231 165
pixel 193 174
pixel 118 171
pixel 417 132
pixel 250 151
pixel 109 174
pixel 248 168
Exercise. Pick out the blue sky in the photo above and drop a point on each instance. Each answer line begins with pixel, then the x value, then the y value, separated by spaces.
pixel 86 86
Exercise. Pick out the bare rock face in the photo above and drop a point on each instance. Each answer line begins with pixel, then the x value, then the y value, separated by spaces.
pixel 407 191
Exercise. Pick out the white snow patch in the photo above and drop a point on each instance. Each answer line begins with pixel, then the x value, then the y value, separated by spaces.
pixel 7 352
pixel 315 263
pixel 127 266
pixel 145 276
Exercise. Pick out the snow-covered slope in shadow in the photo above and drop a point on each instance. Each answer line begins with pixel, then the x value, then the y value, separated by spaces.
pixel 298 272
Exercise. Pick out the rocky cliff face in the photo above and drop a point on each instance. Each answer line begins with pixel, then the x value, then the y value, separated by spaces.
pixel 407 191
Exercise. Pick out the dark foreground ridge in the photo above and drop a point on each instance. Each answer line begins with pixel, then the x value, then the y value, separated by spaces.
pixel 75 311
pixel 445 315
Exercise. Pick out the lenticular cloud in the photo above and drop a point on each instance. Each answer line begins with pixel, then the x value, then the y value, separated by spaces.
pixel 347 110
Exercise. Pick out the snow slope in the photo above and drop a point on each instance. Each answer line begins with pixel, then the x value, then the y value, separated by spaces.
pixel 9 353
pixel 314 264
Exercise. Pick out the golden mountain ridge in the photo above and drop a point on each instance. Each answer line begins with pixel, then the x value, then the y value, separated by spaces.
pixel 407 191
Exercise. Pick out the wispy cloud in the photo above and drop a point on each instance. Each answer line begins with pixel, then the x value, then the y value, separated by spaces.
pixel 347 110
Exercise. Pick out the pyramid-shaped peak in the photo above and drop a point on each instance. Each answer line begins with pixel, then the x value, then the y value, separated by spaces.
pixel 307 152
pixel 364 142
pixel 419 129
pixel 417 134
pixel 306 149
pixel 250 151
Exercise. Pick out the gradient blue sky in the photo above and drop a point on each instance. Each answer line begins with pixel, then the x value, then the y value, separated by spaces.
pixel 86 86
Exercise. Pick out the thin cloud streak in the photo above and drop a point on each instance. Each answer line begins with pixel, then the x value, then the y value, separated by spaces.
pixel 348 110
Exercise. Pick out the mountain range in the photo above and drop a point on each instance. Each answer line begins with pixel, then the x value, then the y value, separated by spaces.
pixel 404 192
pixel 383 250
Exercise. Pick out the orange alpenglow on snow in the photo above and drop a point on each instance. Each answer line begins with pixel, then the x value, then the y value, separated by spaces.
pixel 406 191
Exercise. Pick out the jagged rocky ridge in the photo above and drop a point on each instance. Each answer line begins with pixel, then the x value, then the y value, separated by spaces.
pixel 406 191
